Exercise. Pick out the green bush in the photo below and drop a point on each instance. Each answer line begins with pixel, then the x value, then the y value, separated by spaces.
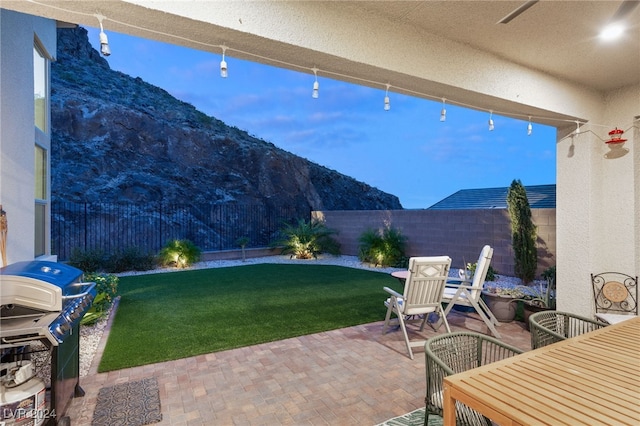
pixel 130 259
pixel 491 273
pixel 107 289
pixel 384 248
pixel 549 274
pixel 179 253
pixel 88 260
pixel 307 239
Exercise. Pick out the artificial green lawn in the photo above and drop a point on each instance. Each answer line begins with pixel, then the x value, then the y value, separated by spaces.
pixel 175 315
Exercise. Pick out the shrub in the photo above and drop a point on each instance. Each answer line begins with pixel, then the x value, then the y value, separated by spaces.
pixel 549 274
pixel 88 260
pixel 491 273
pixel 384 248
pixel 179 253
pixel 130 259
pixel 107 289
pixel 523 233
pixel 307 239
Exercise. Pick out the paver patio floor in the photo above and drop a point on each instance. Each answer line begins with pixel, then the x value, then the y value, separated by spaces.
pixel 350 376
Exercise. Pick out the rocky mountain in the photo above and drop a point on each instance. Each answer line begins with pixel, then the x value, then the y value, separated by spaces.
pixel 116 138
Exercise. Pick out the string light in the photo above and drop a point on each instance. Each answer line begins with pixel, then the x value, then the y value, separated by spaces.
pixel 491 126
pixel 316 85
pixel 529 127
pixel 443 113
pixel 387 104
pixel 104 41
pixel 223 64
pixel 106 51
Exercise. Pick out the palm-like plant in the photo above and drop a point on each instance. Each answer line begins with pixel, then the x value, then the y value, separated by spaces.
pixel 180 253
pixel 307 239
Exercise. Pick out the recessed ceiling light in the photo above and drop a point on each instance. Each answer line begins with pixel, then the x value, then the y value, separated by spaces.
pixel 612 31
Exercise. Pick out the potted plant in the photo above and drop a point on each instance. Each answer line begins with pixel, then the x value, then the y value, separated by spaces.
pixel 501 301
pixel 541 296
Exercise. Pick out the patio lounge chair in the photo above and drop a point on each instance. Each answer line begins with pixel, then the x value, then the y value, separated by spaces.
pixel 549 327
pixel 464 293
pixel 615 295
pixel 453 353
pixel 422 295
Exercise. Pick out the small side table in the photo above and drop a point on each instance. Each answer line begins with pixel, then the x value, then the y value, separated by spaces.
pixel 400 276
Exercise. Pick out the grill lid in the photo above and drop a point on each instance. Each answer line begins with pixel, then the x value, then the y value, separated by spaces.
pixel 58 274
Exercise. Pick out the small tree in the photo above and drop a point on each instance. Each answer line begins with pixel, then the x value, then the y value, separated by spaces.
pixel 523 233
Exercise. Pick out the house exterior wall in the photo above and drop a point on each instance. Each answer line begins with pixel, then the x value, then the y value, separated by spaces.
pixel 17 129
pixel 459 234
pixel 598 202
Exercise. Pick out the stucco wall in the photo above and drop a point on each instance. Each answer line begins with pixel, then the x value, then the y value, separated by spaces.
pixel 597 201
pixel 459 234
pixel 17 137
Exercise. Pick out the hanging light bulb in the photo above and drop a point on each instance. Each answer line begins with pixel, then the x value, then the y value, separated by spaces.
pixel 223 64
pixel 491 126
pixel 387 104
pixel 577 127
pixel 104 41
pixel 443 113
pixel 316 85
pixel 529 127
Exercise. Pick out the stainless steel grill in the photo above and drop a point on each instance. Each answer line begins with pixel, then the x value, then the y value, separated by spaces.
pixel 44 302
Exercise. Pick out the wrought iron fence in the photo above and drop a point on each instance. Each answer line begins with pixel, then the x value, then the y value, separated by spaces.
pixel 111 227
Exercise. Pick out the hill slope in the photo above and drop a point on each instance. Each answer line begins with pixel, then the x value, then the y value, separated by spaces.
pixel 116 138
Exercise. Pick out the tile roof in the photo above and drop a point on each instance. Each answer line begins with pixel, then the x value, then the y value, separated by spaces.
pixel 540 197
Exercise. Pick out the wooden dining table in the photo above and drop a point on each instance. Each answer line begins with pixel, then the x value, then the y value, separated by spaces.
pixel 591 379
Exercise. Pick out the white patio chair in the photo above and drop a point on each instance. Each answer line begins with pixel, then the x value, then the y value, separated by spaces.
pixel 615 295
pixel 423 290
pixel 465 293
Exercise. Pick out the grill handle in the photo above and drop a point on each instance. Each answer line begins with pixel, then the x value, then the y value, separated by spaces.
pixel 90 286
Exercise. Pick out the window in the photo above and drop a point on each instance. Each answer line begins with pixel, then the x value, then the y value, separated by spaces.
pixel 40 89
pixel 41 201
pixel 42 144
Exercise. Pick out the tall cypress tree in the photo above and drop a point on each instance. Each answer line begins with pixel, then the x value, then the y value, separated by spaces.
pixel 523 232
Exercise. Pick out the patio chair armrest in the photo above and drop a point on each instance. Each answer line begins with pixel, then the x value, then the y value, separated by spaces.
pixel 392 292
pixel 458 284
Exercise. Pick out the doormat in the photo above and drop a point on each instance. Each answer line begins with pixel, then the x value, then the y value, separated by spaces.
pixel 414 418
pixel 128 404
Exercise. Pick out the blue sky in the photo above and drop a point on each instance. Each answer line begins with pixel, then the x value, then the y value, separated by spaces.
pixel 405 151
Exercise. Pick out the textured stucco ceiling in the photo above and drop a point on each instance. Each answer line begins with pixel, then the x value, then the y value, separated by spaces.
pixel 556 37
pixel 409 44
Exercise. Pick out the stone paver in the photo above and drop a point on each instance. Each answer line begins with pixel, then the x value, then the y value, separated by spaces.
pixel 349 376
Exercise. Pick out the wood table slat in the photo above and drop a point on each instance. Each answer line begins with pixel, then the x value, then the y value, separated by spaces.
pixel 590 379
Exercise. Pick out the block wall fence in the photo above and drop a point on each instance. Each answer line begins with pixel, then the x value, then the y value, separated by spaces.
pixel 459 234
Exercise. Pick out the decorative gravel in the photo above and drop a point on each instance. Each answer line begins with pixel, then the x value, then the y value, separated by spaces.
pixel 90 336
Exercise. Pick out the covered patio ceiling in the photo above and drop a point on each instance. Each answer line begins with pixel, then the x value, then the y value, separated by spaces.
pixel 556 38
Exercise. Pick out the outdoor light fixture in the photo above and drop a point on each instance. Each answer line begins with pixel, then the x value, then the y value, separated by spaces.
pixel 529 127
pixel 223 64
pixel 387 104
pixel 612 31
pixel 104 41
pixel 316 85
pixel 443 113
pixel 491 126
pixel 577 128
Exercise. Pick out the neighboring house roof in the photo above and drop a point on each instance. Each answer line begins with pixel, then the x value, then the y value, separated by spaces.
pixel 539 196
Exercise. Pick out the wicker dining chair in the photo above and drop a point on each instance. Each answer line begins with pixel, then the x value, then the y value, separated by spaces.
pixel 549 327
pixel 452 353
